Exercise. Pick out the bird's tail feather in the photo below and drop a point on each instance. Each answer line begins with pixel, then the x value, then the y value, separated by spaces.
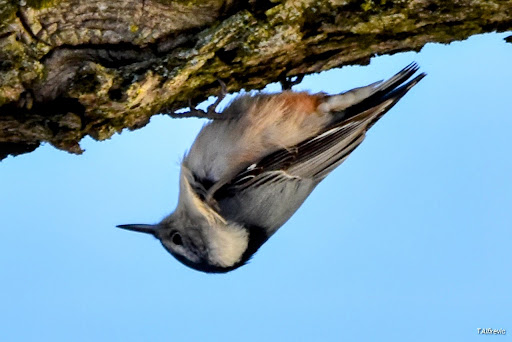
pixel 334 145
pixel 374 95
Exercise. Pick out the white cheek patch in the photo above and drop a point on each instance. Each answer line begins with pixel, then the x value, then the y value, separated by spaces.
pixel 181 251
pixel 186 253
pixel 227 244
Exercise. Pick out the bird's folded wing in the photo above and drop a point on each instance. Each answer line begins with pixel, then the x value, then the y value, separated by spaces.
pixel 316 157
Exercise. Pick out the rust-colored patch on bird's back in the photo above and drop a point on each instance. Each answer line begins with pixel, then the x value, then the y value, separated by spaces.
pixel 301 102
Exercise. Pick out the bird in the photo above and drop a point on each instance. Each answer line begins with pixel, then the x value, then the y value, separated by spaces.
pixel 247 174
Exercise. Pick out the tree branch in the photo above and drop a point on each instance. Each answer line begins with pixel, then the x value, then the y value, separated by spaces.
pixel 73 68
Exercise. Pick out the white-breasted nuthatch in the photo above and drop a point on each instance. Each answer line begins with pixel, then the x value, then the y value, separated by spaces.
pixel 247 174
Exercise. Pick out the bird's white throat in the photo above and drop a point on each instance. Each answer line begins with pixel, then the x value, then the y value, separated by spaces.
pixel 227 244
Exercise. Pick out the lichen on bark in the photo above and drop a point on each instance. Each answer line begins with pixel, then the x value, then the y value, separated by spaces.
pixel 71 68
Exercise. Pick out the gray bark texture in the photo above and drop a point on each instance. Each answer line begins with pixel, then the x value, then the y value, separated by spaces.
pixel 71 68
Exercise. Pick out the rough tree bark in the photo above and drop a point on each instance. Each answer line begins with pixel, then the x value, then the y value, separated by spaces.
pixel 70 68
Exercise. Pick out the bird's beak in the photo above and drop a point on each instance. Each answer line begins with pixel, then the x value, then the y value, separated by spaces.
pixel 142 228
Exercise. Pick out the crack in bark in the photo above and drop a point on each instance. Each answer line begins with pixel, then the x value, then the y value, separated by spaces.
pixel 26 26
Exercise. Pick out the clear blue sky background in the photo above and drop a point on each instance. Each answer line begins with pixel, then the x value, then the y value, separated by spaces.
pixel 409 240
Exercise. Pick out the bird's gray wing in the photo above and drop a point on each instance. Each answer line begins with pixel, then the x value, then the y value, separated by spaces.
pixel 267 193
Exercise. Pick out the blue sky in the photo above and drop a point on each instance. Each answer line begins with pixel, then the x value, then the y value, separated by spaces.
pixel 410 239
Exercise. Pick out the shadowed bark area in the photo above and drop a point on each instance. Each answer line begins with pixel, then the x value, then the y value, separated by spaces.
pixel 71 68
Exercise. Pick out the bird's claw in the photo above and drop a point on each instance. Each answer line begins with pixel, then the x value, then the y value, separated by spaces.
pixel 288 81
pixel 210 112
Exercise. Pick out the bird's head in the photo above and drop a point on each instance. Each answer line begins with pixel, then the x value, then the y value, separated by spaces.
pixel 197 235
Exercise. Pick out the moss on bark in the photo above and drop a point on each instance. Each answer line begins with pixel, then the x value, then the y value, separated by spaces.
pixel 70 69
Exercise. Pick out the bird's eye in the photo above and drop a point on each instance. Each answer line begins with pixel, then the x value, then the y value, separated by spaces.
pixel 176 239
